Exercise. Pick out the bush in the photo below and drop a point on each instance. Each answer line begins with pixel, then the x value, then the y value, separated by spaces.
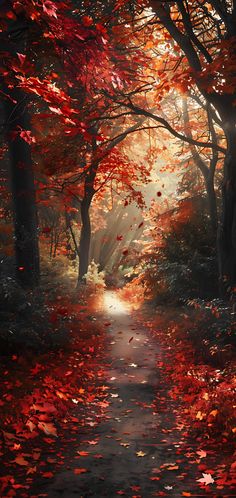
pixel 184 264
pixel 95 279
pixel 26 320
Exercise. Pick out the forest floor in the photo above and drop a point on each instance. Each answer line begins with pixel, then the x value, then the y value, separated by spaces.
pixel 124 435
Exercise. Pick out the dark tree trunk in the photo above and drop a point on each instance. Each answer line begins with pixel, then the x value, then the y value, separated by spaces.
pixel 208 171
pixel 21 166
pixel 85 238
pixel 71 232
pixel 227 227
pixel 212 205
pixel 23 195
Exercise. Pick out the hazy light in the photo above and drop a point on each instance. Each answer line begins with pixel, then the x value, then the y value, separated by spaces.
pixel 114 305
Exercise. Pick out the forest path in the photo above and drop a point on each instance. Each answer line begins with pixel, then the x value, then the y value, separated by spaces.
pixel 135 451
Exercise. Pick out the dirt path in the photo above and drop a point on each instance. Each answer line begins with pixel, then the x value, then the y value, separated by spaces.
pixel 136 451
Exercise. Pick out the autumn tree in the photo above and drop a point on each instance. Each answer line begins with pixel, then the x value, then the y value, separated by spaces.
pixel 101 167
pixel 102 128
pixel 107 167
pixel 76 42
pixel 204 42
pixel 193 43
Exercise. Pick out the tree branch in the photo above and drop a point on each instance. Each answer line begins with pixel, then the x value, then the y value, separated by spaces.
pixel 195 154
pixel 183 41
pixel 189 30
pixel 143 112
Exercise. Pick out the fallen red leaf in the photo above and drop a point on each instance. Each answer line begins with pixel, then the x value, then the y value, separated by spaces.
pixel 80 471
pixel 20 460
pixel 47 475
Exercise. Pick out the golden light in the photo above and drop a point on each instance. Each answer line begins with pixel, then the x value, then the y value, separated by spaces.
pixel 114 305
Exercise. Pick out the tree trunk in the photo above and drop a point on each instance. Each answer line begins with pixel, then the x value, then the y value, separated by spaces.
pixel 227 227
pixel 21 167
pixel 23 191
pixel 71 232
pixel 212 205
pixel 85 238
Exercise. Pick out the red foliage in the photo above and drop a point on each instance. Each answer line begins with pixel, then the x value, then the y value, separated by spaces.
pixel 53 392
pixel 207 395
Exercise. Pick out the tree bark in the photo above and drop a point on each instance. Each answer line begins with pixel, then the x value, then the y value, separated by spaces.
pixel 227 226
pixel 71 232
pixel 85 238
pixel 21 166
pixel 212 205
pixel 23 197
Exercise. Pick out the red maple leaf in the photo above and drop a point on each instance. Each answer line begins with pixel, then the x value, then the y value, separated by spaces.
pixel 87 20
pixel 50 8
pixel 206 479
pixel 27 136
